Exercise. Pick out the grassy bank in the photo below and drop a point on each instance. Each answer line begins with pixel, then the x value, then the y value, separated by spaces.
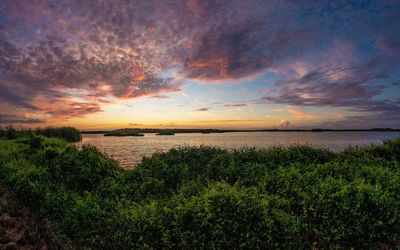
pixel 300 197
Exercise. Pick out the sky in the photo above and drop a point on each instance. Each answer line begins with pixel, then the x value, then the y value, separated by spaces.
pixel 233 64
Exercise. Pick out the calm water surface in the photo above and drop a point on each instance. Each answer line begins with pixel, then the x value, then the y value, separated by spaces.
pixel 128 151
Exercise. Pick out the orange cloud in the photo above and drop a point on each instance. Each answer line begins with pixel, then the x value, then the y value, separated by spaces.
pixel 139 78
pixel 299 114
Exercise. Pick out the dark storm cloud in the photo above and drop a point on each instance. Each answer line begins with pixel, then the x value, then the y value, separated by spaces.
pixel 55 51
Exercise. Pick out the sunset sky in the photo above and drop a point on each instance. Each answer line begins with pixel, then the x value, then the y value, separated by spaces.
pixel 200 64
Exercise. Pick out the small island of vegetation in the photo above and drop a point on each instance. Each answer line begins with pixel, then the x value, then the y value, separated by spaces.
pixel 116 133
pixel 204 197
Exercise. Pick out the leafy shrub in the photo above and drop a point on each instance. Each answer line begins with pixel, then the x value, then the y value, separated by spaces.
pixel 290 198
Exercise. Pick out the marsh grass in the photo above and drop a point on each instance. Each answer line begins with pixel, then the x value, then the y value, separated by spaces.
pixel 205 197
pixel 68 134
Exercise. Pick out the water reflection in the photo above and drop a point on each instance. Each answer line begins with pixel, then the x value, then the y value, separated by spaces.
pixel 128 151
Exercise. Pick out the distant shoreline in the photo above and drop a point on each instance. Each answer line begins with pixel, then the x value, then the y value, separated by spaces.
pixel 118 132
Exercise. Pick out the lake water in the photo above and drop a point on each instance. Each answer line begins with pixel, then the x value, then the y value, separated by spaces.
pixel 128 151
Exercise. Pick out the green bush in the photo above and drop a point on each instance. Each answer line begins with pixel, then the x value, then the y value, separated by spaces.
pixel 286 198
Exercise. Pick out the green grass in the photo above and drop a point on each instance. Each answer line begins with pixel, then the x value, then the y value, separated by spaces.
pixel 288 198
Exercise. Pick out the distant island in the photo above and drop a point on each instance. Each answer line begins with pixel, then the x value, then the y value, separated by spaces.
pixel 123 133
pixel 168 131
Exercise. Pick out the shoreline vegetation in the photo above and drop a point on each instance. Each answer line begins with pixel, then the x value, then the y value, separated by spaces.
pixel 142 131
pixel 165 133
pixel 298 197
pixel 121 133
pixel 68 134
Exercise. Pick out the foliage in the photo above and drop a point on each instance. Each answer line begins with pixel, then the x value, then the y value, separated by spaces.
pixel 121 133
pixel 69 134
pixel 205 197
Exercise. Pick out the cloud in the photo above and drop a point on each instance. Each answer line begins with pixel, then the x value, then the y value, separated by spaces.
pixel 159 97
pixel 342 81
pixel 336 86
pixel 127 49
pixel 236 105
pixel 299 114
pixel 230 121
pixel 73 109
pixel 47 47
pixel 283 124
pixel 360 122
pixel 12 119
pixel 202 109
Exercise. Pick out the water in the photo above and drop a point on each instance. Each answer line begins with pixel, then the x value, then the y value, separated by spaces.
pixel 128 151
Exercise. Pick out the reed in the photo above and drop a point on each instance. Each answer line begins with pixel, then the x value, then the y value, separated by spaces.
pixel 68 134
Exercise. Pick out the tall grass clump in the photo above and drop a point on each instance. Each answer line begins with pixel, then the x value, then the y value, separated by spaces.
pixel 68 134
pixel 209 198
pixel 8 132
